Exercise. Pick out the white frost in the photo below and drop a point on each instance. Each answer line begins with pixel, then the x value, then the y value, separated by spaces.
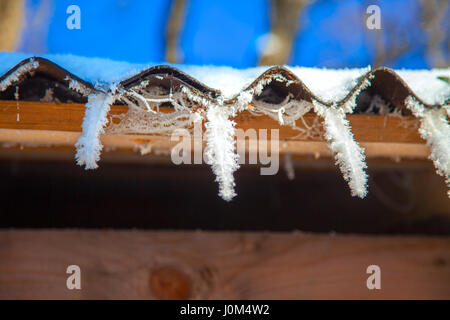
pixel 95 118
pixel 13 77
pixel 434 128
pixel 77 86
pixel 220 148
pixel 349 155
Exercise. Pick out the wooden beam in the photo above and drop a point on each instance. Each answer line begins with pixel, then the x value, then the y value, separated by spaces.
pixel 64 140
pixel 225 265
pixel 68 117
pixel 36 124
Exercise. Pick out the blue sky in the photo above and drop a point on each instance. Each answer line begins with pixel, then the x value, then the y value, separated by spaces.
pixel 331 32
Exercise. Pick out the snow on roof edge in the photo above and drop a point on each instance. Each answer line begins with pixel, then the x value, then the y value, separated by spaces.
pixel 330 85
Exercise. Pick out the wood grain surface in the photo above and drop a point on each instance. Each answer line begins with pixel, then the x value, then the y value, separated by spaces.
pixel 57 126
pixel 225 265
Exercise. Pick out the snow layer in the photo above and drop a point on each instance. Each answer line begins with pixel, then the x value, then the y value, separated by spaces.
pixel 228 80
pixel 330 85
pixel 95 70
pixel 426 84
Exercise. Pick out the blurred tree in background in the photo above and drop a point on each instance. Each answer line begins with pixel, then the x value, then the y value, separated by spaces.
pixel 11 20
pixel 322 33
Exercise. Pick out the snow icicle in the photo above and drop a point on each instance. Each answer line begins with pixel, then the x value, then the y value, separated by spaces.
pixel 220 148
pixel 434 128
pixel 95 118
pixel 349 155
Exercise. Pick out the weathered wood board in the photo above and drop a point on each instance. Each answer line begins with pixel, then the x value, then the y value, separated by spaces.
pixel 226 265
pixel 57 127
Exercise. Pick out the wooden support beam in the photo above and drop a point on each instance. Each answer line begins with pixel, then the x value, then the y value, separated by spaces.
pixel 225 265
pixel 145 143
pixel 36 124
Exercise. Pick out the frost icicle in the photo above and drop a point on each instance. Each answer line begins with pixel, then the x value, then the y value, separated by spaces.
pixel 434 128
pixel 349 155
pixel 220 148
pixel 95 118
pixel 15 76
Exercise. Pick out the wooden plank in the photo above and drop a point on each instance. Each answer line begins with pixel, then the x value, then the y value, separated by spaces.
pixel 44 116
pixel 57 126
pixel 227 265
pixel 163 145
pixel 68 117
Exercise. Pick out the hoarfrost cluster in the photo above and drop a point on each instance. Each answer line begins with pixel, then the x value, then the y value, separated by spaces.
pixel 328 86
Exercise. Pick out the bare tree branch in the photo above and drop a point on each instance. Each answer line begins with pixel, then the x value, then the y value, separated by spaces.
pixel 285 17
pixel 391 41
pixel 174 25
pixel 433 14
pixel 11 20
pixel 387 52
